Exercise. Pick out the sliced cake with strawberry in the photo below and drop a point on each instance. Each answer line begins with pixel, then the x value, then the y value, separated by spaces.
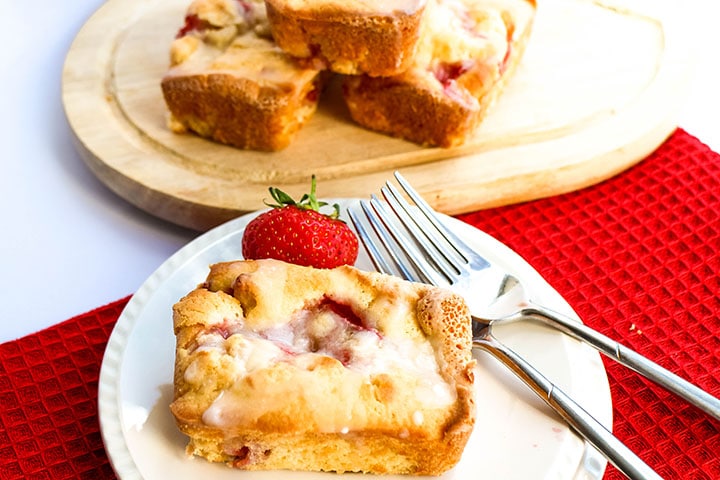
pixel 285 367
pixel 229 82
pixel 468 51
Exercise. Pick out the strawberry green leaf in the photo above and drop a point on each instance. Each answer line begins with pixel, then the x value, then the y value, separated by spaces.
pixel 308 201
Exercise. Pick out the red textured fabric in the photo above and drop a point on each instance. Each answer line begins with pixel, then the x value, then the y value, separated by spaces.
pixel 49 427
pixel 638 257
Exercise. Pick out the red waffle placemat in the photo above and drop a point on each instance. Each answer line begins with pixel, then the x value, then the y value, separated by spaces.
pixel 638 257
pixel 49 427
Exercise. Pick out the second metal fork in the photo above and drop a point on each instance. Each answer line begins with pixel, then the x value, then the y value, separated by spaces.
pixel 439 257
pixel 412 239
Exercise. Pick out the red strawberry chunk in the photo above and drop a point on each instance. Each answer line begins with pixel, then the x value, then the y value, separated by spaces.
pixel 246 7
pixel 446 73
pixel 343 311
pixel 192 23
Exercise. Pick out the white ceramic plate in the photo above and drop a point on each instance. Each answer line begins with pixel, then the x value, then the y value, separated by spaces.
pixel 516 436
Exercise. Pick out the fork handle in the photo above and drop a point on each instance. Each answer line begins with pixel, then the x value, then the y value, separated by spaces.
pixel 628 357
pixel 616 452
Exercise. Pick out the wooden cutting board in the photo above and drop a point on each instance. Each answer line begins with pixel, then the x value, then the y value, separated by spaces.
pixel 598 89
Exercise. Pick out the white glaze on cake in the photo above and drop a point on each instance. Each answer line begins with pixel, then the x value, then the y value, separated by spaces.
pixel 363 354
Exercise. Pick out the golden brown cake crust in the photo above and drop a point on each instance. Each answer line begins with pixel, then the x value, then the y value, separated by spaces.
pixel 442 98
pixel 349 37
pixel 238 111
pixel 286 367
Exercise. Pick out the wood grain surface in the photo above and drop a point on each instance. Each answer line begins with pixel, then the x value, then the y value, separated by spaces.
pixel 598 89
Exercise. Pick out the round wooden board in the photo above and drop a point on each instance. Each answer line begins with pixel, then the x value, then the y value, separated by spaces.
pixel 597 90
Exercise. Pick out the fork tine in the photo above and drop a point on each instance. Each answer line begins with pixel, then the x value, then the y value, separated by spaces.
pixel 393 239
pixel 428 245
pixel 386 240
pixel 458 245
pixel 376 257
pixel 371 245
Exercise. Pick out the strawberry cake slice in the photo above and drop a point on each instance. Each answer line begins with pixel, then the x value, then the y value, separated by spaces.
pixel 467 52
pixel 374 37
pixel 280 366
pixel 229 82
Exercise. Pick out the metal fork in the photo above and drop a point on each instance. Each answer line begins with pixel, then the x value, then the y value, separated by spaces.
pixel 420 238
pixel 458 266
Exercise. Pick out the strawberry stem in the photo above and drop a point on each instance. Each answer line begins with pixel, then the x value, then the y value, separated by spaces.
pixel 307 201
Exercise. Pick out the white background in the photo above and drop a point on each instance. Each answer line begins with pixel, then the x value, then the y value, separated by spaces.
pixel 67 243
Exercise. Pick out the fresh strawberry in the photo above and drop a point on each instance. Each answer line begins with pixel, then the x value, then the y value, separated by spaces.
pixel 297 232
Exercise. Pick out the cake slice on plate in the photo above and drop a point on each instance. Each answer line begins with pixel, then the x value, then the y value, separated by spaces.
pixel 280 366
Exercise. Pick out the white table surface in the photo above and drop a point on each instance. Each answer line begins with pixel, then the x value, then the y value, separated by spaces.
pixel 68 244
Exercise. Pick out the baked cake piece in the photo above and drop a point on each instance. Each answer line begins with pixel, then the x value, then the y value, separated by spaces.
pixel 280 366
pixel 468 51
pixel 230 82
pixel 375 37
